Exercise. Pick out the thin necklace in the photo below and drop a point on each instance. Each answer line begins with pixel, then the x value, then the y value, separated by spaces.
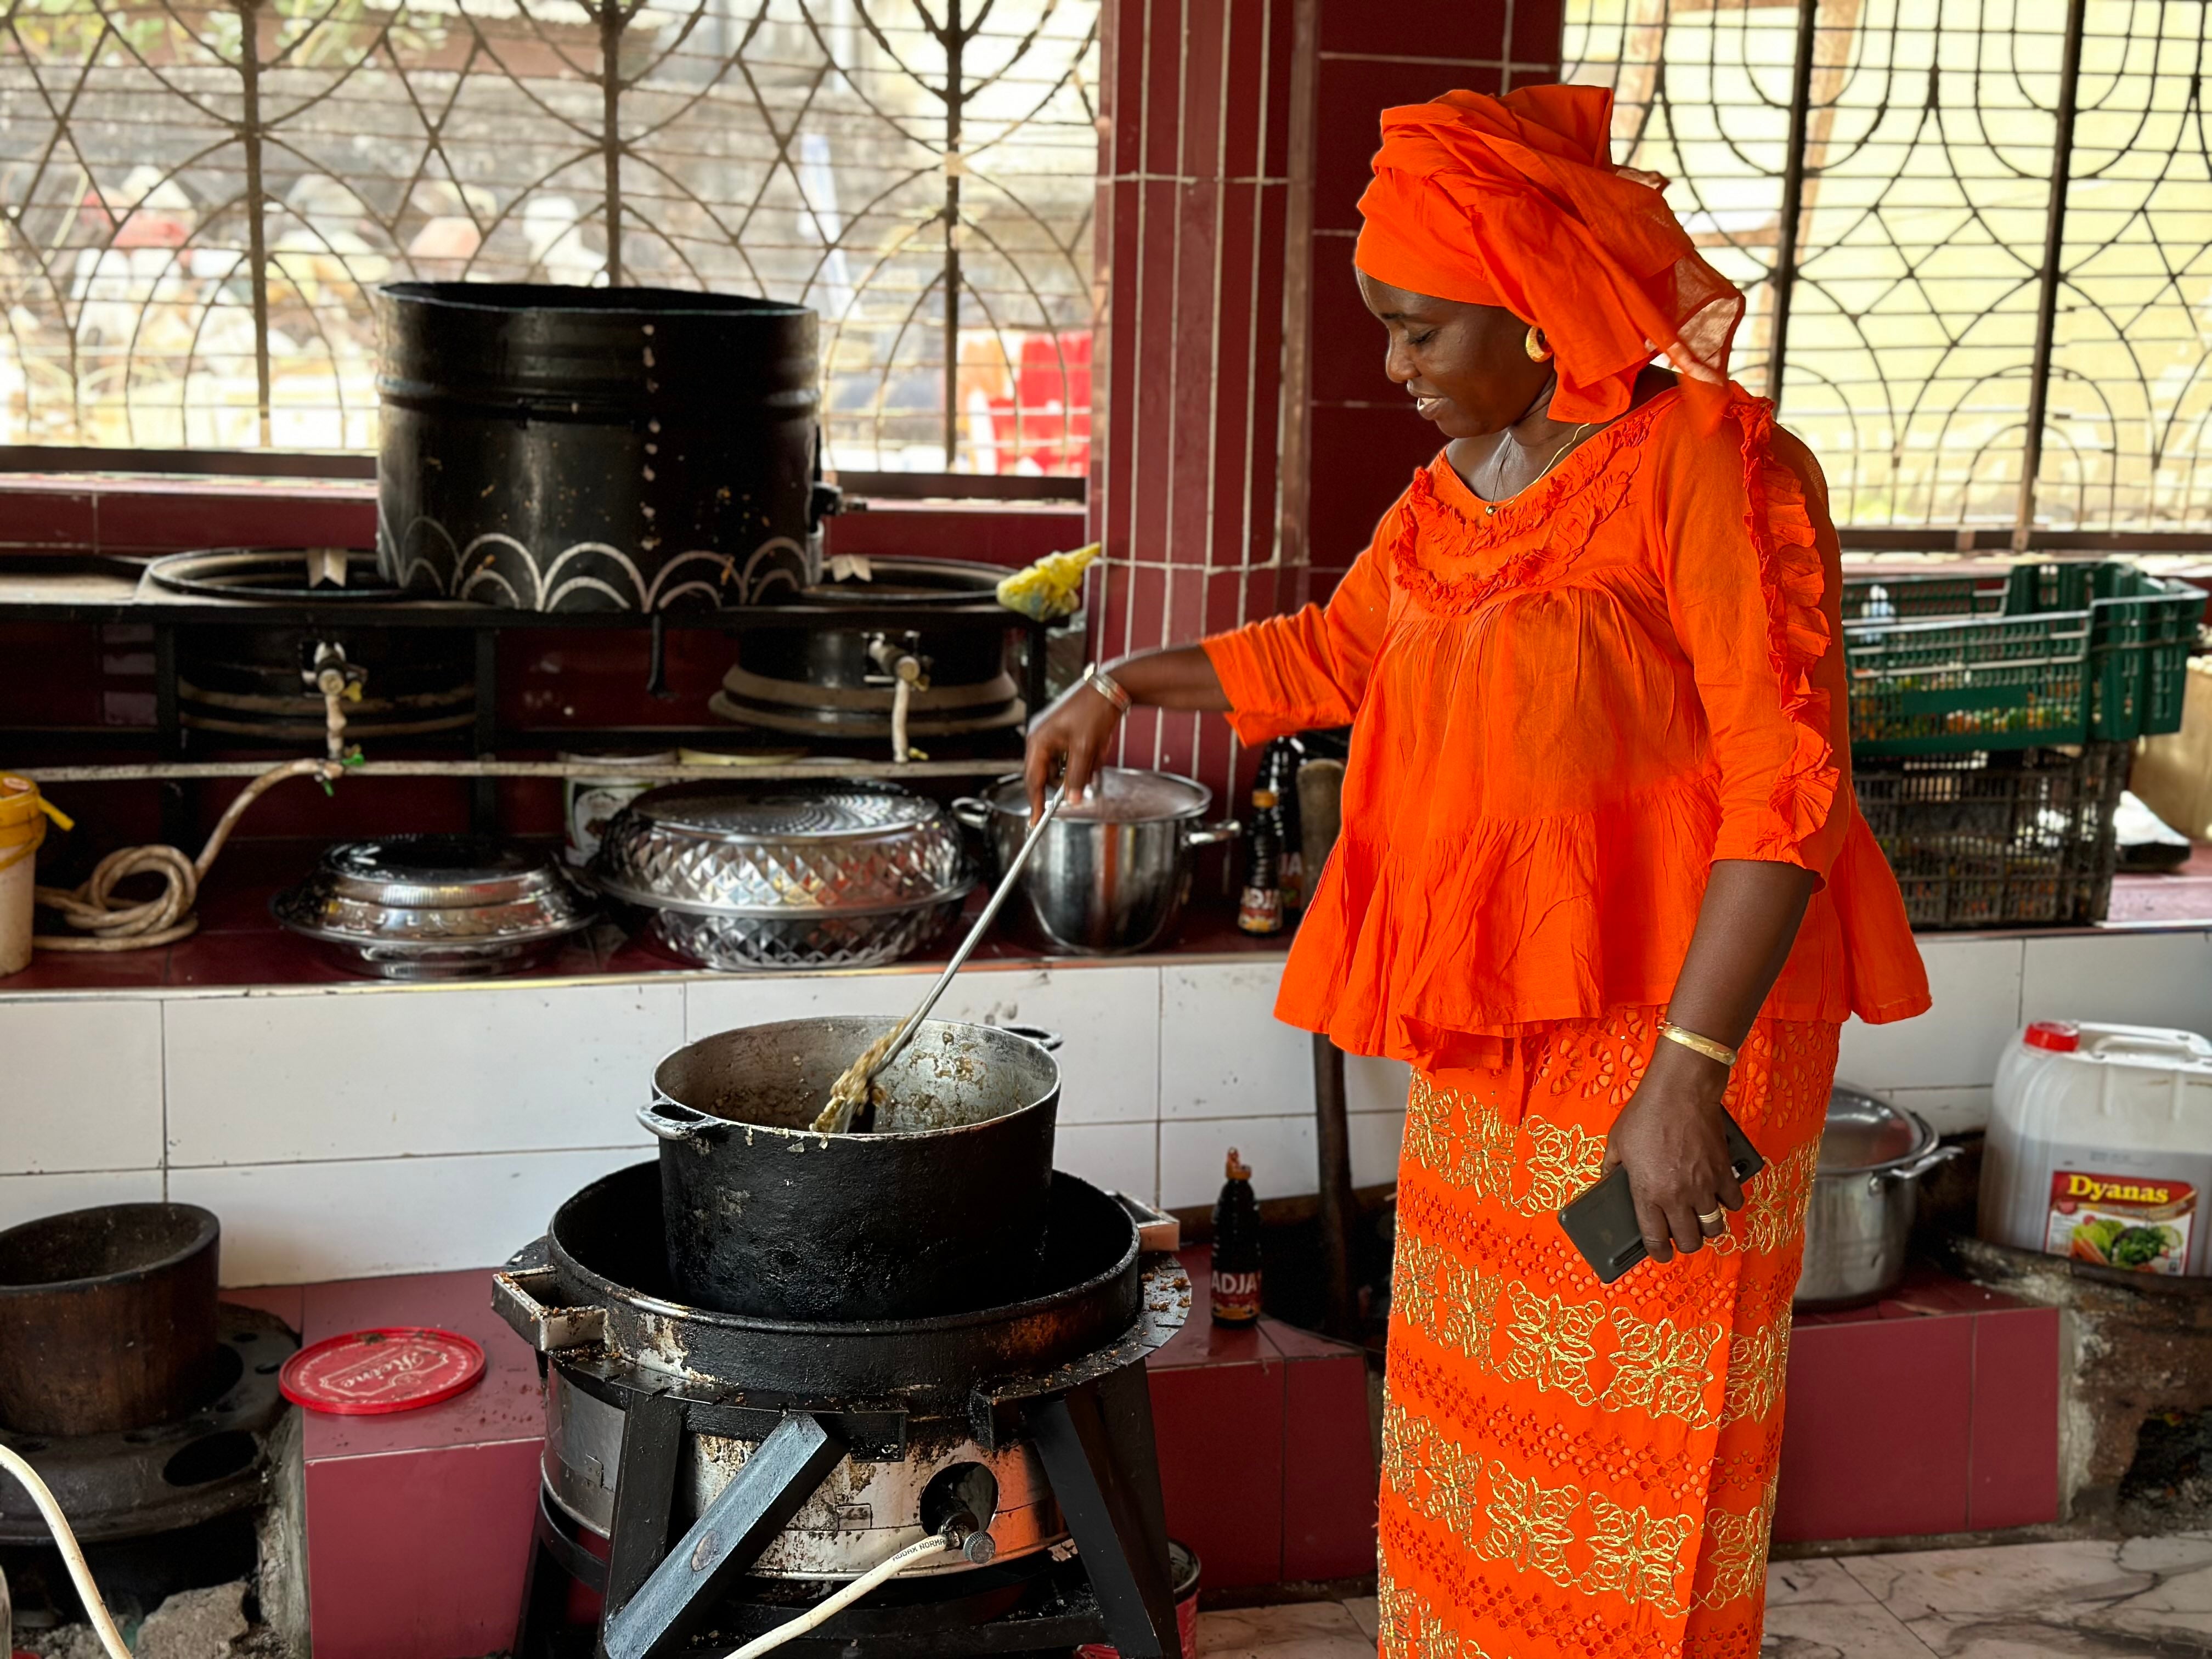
pixel 1573 438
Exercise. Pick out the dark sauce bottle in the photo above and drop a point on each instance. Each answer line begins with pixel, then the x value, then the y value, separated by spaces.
pixel 1236 1247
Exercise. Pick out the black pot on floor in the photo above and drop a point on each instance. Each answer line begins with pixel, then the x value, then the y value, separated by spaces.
pixel 939 1210
pixel 555 448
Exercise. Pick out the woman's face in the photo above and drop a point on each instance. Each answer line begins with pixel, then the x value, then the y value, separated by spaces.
pixel 1467 366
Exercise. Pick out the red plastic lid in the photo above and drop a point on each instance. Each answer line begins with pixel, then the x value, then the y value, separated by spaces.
pixel 394 1368
pixel 2059 1035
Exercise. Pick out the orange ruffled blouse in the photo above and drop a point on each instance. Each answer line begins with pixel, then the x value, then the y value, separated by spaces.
pixel 1564 707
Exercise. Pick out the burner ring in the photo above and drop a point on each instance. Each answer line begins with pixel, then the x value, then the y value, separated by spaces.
pixel 268 575
pixel 204 1463
pixel 604 1250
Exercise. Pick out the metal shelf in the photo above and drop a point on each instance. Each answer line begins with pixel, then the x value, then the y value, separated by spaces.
pixel 109 591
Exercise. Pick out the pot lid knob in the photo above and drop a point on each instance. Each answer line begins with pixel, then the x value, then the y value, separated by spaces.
pixel 2061 1037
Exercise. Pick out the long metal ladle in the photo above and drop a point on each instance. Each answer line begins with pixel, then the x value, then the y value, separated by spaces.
pixel 836 1117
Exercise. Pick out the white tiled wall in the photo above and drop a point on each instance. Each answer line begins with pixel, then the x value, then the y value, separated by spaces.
pixel 1985 989
pixel 373 1129
pixel 291 1222
pixel 80 1083
pixel 413 1074
pixel 27 1197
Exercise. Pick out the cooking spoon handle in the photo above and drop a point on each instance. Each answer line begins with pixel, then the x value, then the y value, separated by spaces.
pixel 1006 883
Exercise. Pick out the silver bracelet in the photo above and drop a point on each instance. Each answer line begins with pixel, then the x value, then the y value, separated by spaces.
pixel 1107 687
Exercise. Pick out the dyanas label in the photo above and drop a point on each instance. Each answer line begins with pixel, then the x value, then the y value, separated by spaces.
pixel 2137 1223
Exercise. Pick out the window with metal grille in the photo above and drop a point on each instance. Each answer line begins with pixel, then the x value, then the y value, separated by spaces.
pixel 1974 231
pixel 200 199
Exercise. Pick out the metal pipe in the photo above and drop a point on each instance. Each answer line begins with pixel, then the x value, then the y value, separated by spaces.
pixel 657 773
pixel 1792 196
pixel 1333 1145
pixel 2046 299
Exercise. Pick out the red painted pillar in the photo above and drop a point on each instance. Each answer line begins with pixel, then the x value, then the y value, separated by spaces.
pixel 1194 187
pixel 1247 442
pixel 1365 439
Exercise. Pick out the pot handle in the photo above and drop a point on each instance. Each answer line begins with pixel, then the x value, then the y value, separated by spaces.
pixel 670 1121
pixel 972 812
pixel 1921 1165
pixel 1047 1041
pixel 547 1326
pixel 1212 834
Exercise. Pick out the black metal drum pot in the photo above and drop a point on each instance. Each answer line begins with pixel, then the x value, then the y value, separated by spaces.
pixel 939 1209
pixel 553 449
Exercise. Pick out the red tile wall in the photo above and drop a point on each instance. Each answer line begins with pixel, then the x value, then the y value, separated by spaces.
pixel 1194 189
pixel 1194 261
pixel 1367 440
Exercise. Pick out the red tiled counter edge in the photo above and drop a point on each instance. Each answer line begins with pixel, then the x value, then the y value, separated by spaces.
pixel 1265 1449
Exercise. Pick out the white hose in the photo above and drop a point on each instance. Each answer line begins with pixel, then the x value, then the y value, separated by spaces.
pixel 935 1544
pixel 65 1540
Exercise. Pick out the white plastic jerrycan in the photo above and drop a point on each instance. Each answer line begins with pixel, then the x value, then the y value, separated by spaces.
pixel 2100 1146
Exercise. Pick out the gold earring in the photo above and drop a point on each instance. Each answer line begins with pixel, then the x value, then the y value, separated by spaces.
pixel 1538 348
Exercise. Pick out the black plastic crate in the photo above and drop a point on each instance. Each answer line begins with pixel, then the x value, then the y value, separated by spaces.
pixel 1998 839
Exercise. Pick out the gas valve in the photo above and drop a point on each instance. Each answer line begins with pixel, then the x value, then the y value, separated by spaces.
pixel 337 683
pixel 326 672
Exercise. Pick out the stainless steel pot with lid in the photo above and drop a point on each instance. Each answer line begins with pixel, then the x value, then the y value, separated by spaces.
pixel 848 875
pixel 1113 870
pixel 435 907
pixel 1865 1192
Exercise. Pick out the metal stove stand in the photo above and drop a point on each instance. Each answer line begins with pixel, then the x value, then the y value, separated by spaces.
pixel 1059 1378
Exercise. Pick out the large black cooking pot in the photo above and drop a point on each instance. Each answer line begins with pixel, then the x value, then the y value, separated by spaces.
pixel 555 449
pixel 939 1209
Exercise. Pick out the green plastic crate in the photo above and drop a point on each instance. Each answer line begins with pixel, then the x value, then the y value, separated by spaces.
pixel 2052 654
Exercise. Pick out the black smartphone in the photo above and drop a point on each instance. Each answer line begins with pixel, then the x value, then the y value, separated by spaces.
pixel 1601 1221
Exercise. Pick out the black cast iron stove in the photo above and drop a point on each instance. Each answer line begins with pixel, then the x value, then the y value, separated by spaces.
pixel 710 1476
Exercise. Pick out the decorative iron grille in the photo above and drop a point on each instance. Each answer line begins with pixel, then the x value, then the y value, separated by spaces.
pixel 201 196
pixel 1974 232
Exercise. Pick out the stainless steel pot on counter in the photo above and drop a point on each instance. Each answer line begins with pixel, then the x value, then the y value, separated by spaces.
pixel 1865 1191
pixel 839 876
pixel 939 1209
pixel 1112 871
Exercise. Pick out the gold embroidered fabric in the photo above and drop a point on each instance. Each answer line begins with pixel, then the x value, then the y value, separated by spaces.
pixel 1570 1469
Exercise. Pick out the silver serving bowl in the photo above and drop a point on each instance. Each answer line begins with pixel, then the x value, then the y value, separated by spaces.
pixel 435 907
pixel 845 875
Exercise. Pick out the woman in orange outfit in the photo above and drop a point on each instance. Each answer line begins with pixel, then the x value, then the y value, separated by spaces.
pixel 1601 873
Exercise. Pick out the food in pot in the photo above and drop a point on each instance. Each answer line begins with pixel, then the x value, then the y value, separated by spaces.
pixel 845 1093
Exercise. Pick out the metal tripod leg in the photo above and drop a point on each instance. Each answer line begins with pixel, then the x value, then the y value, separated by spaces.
pixel 1097 1444
pixel 781 1473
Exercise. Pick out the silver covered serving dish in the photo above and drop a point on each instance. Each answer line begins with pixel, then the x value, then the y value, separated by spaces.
pixel 838 875
pixel 435 907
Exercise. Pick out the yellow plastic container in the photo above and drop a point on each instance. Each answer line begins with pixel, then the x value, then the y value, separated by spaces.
pixel 23 815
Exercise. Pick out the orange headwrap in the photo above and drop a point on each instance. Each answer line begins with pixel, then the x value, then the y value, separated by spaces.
pixel 1514 202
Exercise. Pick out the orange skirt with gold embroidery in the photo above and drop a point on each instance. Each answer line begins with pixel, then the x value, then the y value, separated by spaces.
pixel 1570 1469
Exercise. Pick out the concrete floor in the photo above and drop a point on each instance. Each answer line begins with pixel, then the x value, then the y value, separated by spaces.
pixel 2075 1600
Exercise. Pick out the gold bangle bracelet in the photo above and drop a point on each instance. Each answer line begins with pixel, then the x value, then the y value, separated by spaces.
pixel 1703 1045
pixel 1107 687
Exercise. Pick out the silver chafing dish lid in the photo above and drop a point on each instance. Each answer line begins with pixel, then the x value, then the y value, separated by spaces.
pixel 722 848
pixel 446 890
